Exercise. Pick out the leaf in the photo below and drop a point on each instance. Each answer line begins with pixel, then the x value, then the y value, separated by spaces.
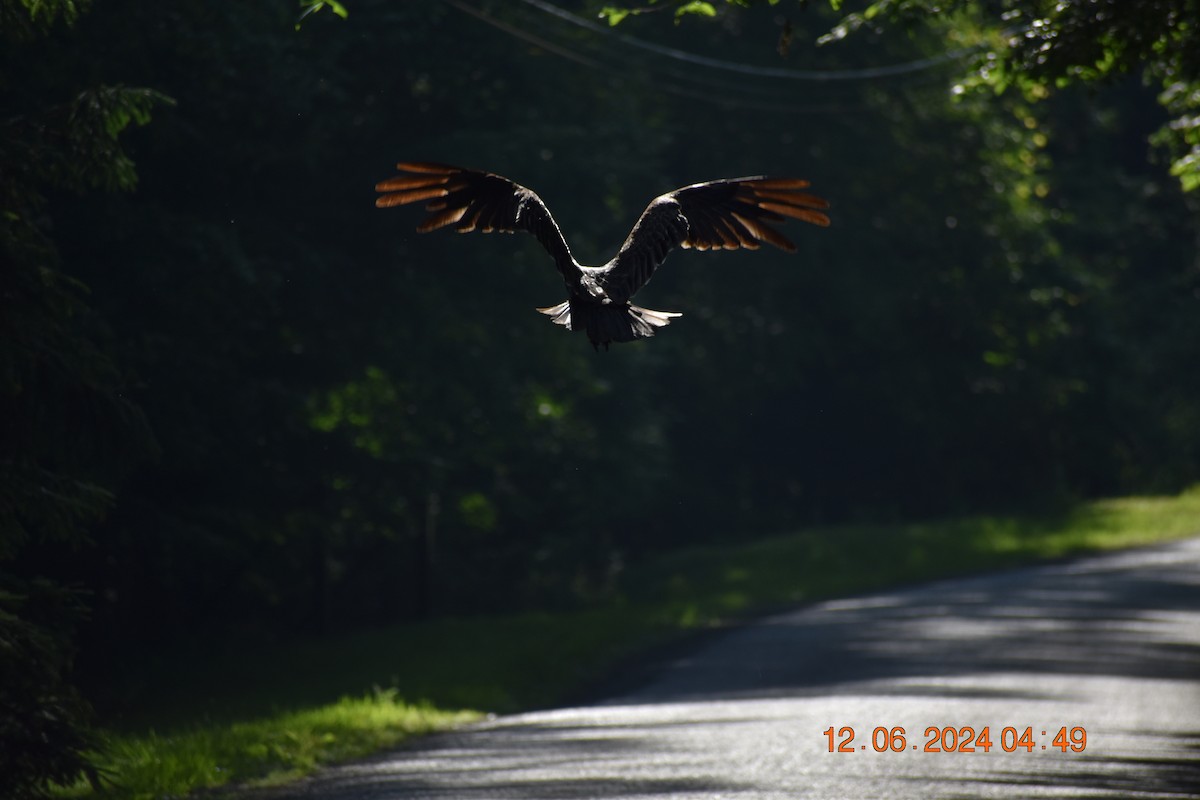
pixel 308 7
pixel 614 15
pixel 696 7
pixel 1187 169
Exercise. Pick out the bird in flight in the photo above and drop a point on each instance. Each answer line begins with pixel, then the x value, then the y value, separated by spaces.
pixel 717 215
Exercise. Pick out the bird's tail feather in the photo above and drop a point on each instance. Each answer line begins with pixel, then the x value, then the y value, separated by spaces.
pixel 559 314
pixel 609 323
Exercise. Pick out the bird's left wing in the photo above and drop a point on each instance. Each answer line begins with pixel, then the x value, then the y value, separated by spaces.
pixel 471 200
pixel 725 214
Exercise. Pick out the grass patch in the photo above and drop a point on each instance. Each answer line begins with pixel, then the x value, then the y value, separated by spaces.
pixel 253 717
pixel 708 585
pixel 262 752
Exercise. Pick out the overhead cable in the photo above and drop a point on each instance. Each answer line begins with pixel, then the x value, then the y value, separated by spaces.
pixel 520 34
pixel 866 73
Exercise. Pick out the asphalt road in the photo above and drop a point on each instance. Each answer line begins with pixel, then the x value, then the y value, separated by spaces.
pixel 1108 645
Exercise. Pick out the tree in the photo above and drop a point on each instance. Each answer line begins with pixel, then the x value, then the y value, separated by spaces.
pixel 1040 46
pixel 67 430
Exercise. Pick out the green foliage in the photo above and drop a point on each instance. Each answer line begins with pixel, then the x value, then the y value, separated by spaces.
pixel 615 14
pixel 263 752
pixel 21 20
pixel 1039 46
pixel 49 369
pixel 682 8
pixel 42 717
pixel 709 585
pixel 696 7
pixel 1182 134
pixel 69 431
pixel 93 157
pixel 313 6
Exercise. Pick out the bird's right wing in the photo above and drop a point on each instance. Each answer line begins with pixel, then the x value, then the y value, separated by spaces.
pixel 725 214
pixel 472 200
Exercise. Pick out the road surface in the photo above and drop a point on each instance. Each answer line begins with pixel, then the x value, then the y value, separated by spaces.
pixel 1107 647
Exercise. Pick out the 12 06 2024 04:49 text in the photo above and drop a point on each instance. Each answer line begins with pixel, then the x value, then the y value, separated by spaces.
pixel 965 739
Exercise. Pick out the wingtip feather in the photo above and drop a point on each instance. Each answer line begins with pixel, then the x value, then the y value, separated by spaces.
pixel 409 195
pixel 792 198
pixel 779 183
pixel 405 182
pixel 427 167
pixel 805 214
pixel 441 219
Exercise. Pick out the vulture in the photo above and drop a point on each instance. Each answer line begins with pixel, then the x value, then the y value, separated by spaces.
pixel 716 215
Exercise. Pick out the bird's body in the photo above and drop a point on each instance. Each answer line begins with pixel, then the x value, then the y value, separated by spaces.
pixel 724 214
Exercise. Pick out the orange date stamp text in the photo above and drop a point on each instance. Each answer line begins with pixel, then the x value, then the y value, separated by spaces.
pixel 965 739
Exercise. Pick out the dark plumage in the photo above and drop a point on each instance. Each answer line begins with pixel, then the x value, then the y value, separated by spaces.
pixel 724 214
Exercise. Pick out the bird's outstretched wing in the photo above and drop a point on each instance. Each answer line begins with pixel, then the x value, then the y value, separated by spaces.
pixel 471 200
pixel 725 214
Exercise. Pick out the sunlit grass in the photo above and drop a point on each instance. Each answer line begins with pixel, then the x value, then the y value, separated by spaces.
pixel 708 585
pixel 255 717
pixel 264 751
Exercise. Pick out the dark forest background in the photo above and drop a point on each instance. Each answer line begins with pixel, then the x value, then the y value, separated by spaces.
pixel 236 400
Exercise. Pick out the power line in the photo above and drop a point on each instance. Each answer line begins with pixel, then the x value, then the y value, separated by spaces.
pixel 866 73
pixel 520 34
pixel 745 96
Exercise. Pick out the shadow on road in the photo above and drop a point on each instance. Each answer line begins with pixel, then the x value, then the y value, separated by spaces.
pixel 1096 617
